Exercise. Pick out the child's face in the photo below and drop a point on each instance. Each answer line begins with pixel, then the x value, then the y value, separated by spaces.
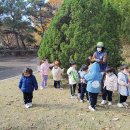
pixel 74 66
pixel 26 74
pixel 90 57
pixel 109 73
pixel 126 70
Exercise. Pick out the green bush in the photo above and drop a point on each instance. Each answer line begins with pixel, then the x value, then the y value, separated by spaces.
pixel 77 27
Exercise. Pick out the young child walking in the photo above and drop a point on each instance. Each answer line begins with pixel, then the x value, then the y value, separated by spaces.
pixel 123 86
pixel 110 85
pixel 44 69
pixel 73 78
pixel 27 85
pixel 83 83
pixel 93 79
pixel 57 75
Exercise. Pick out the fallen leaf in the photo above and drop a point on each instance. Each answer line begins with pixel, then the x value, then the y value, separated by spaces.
pixel 115 119
pixel 93 118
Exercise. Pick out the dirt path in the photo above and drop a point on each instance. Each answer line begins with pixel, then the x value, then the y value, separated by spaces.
pixel 54 110
pixel 13 66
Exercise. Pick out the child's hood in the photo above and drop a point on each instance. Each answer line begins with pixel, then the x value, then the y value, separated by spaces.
pixel 94 67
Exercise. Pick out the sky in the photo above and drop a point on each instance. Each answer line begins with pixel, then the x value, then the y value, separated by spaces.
pixel 46 0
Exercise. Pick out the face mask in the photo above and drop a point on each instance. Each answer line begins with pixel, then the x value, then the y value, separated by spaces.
pixel 99 49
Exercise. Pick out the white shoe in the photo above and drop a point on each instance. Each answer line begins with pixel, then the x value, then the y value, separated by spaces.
pixel 41 87
pixel 81 101
pixel 109 103
pixel 26 105
pixel 88 101
pixel 90 108
pixel 125 104
pixel 103 102
pixel 120 105
pixel 30 104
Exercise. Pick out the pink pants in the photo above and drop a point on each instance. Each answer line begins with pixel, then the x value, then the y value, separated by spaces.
pixel 44 79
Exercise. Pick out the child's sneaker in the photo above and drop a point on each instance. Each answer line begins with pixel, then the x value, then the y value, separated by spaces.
pixel 120 105
pixel 90 108
pixel 125 104
pixel 41 87
pixel 30 104
pixel 109 103
pixel 27 105
pixel 103 102
pixel 81 101
pixel 88 101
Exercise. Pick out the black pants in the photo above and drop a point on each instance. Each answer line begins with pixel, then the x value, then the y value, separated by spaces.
pixel 93 99
pixel 123 98
pixel 72 89
pixel 27 97
pixel 83 90
pixel 79 87
pixel 56 84
pixel 107 94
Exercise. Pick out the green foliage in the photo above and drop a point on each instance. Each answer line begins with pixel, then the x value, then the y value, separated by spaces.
pixel 77 27
pixel 123 7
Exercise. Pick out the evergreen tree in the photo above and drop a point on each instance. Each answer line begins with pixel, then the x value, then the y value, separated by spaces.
pixel 77 27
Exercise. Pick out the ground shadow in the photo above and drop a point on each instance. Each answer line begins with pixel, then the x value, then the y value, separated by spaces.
pixel 54 106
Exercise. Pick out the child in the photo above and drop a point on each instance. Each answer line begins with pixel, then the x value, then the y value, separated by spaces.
pixel 73 78
pixel 27 85
pixel 123 86
pixel 110 85
pixel 83 83
pixel 57 75
pixel 44 72
pixel 93 78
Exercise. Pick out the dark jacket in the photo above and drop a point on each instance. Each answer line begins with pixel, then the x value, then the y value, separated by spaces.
pixel 28 84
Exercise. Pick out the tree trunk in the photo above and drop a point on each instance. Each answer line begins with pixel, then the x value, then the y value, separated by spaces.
pixel 22 40
pixel 17 40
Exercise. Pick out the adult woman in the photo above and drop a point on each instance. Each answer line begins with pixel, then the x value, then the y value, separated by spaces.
pixel 100 56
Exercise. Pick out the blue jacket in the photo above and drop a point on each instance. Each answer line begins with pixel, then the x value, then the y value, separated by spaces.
pixel 93 78
pixel 28 84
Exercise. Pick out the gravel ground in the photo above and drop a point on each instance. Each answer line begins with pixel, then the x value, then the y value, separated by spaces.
pixel 13 66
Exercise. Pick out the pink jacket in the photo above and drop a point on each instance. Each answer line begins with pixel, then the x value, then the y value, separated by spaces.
pixel 44 69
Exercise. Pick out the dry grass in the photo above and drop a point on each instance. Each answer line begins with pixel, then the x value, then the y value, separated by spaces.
pixel 54 110
pixel 126 53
